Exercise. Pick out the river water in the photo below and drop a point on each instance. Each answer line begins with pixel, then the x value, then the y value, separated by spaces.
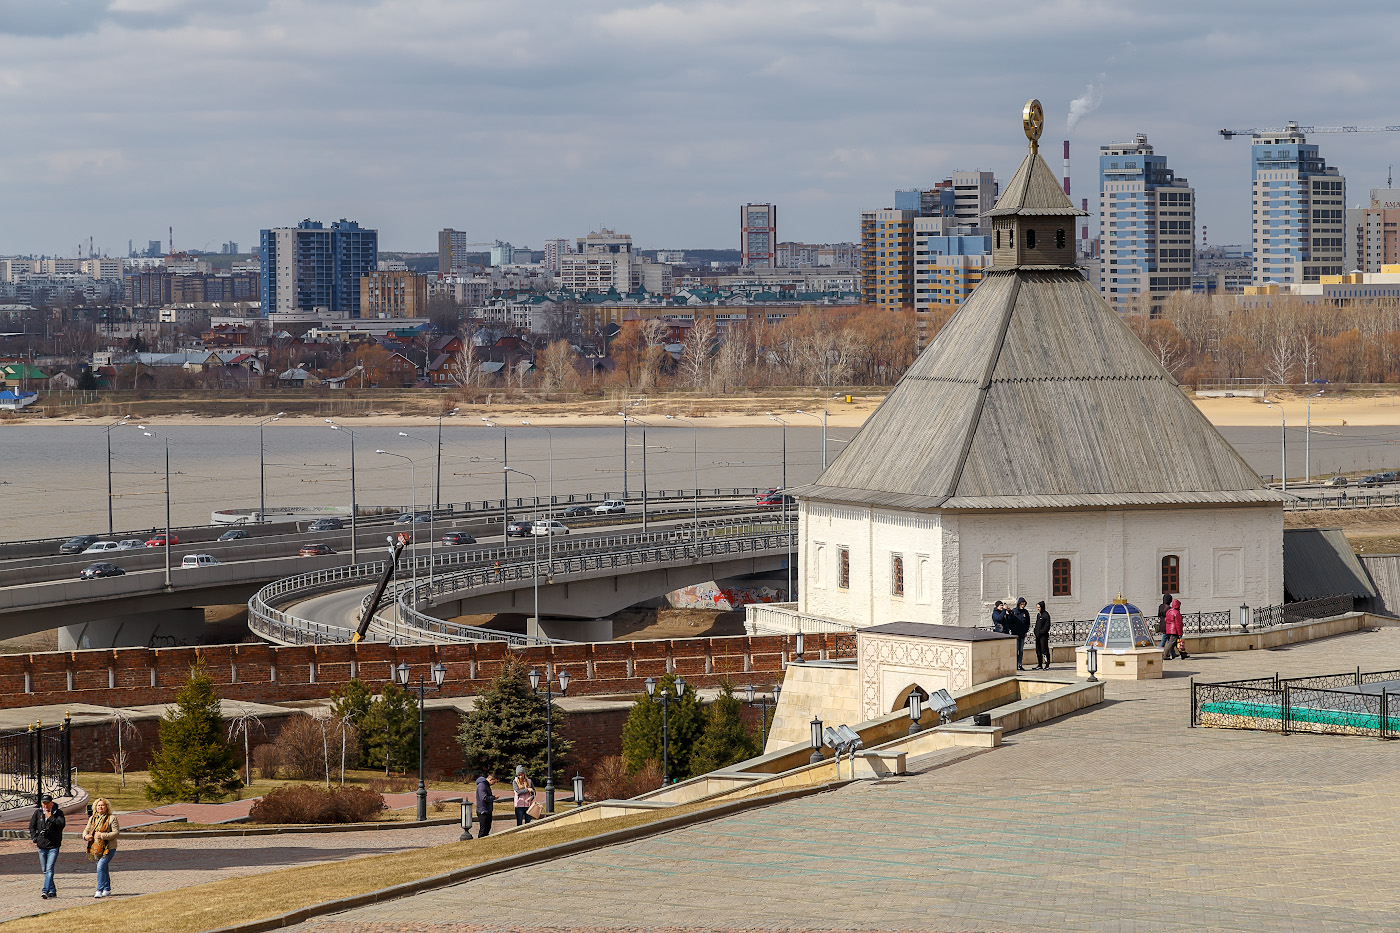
pixel 53 479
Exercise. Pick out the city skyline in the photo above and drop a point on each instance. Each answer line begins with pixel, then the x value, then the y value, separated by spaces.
pixel 219 120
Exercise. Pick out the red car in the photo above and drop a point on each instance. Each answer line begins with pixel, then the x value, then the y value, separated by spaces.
pixel 314 550
pixel 159 540
pixel 772 499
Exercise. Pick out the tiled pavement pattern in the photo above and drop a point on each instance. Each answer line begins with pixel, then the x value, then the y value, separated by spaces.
pixel 1117 818
pixel 143 865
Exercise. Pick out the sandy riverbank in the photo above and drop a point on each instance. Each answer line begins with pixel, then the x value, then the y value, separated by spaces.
pixel 1358 411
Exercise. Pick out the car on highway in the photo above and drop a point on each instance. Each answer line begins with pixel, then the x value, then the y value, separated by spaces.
pixel 159 540
pixel 1375 479
pixel 97 547
pixel 422 518
pixel 518 528
pixel 76 544
pixel 549 527
pixel 199 560
pixel 1388 476
pixel 100 569
pixel 405 519
pixel 453 538
pixel 326 524
pixel 1337 481
pixel 610 507
pixel 773 499
pixel 130 544
pixel 315 550
pixel 574 511
pixel 234 534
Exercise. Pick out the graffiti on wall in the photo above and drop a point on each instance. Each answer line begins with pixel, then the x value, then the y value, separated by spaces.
pixel 724 597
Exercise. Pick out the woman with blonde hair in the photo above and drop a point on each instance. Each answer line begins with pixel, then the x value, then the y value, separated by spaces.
pixel 524 790
pixel 101 838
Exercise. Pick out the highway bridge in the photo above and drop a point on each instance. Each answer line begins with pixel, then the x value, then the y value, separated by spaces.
pixel 39 593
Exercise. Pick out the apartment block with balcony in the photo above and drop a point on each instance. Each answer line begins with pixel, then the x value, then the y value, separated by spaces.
pixel 887 252
pixel 946 270
pixel 1148 227
pixel 603 262
pixel 312 266
pixel 393 293
pixel 1298 220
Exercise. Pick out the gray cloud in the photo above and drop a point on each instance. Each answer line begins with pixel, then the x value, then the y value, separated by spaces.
pixel 530 120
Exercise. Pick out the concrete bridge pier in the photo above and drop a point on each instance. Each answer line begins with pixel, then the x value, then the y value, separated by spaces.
pixel 166 628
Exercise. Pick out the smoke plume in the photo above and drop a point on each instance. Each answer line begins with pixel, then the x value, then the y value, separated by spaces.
pixel 1085 103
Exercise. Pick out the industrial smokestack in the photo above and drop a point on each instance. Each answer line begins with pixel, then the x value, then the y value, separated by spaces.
pixel 1084 231
pixel 1066 167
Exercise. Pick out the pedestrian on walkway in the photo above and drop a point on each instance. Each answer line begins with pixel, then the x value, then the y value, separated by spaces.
pixel 1162 608
pixel 1042 638
pixel 485 801
pixel 1171 630
pixel 46 832
pixel 524 790
pixel 101 838
pixel 1000 617
pixel 1020 625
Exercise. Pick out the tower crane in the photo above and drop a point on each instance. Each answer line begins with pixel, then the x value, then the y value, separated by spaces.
pixel 1294 127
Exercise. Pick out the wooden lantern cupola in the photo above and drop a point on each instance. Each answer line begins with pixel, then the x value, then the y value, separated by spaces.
pixel 1033 221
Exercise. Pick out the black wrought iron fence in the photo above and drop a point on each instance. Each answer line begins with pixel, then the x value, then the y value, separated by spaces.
pixel 1074 631
pixel 35 762
pixel 1350 703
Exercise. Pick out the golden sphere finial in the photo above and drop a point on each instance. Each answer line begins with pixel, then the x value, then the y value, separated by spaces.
pixel 1033 119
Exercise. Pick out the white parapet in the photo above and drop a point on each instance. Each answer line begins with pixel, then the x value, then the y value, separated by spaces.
pixel 784 619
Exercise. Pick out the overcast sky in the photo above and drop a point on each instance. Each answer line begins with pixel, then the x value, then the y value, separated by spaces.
pixel 528 120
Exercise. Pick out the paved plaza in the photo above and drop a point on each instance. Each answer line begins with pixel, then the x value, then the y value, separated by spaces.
pixel 1117 818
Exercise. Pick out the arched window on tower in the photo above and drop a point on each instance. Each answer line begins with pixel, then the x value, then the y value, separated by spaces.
pixel 1061 583
pixel 998 239
pixel 1171 574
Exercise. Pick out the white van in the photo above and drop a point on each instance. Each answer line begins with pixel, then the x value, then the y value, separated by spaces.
pixel 199 560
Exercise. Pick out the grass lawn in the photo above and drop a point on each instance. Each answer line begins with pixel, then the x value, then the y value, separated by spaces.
pixel 235 900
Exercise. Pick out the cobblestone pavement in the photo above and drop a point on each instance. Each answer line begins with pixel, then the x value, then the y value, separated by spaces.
pixel 1118 818
pixel 143 864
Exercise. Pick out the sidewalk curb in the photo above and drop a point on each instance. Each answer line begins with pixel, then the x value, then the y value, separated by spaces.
pixel 523 859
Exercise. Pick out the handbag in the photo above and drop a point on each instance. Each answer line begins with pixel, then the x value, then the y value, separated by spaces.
pixel 535 810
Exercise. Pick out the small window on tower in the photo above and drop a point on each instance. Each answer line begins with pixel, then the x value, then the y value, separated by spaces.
pixel 1030 239
pixel 998 239
pixel 1060 238
pixel 1011 238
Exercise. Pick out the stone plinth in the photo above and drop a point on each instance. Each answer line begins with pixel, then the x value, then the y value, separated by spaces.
pixel 828 690
pixel 897 657
pixel 1134 664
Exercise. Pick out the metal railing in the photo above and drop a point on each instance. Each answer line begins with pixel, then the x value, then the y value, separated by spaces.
pixel 1331 704
pixel 477 567
pixel 35 762
pixel 613 552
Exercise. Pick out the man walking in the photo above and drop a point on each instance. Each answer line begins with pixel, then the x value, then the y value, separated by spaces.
pixel 46 832
pixel 1020 626
pixel 485 801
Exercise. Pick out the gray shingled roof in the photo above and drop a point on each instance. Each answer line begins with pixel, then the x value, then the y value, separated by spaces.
pixel 1036 395
pixel 1320 562
pixel 1034 190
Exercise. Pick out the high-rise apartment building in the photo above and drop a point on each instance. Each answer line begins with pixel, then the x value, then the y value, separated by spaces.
pixel 1148 227
pixel 452 251
pixel 1299 205
pixel 887 258
pixel 603 261
pixel 312 266
pixel 1373 233
pixel 386 293
pixel 758 236
pixel 553 250
pixel 962 198
pixel 946 269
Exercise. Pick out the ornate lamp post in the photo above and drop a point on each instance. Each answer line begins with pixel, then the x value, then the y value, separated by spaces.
pixel 763 704
pixel 549 732
pixel 665 723
pixel 916 712
pixel 439 675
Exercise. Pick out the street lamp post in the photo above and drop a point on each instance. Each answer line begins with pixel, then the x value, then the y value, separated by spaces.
pixel 505 479
pixel 1307 442
pixel 354 501
pixel 549 510
pixel 125 418
pixel 825 402
pixel 787 527
pixel 694 471
pixel 432 515
pixel 439 675
pixel 665 723
pixel 149 433
pixel 262 470
pixel 626 418
pixel 437 475
pixel 763 704
pixel 535 569
pixel 1283 443
pixel 549 729
pixel 412 532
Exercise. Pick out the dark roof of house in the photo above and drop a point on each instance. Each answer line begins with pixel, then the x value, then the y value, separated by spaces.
pixel 1319 562
pixel 929 630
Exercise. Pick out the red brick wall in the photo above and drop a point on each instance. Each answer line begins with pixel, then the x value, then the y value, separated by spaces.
pixel 267 674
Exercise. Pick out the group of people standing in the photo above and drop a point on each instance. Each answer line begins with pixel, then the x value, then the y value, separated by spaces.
pixel 46 826
pixel 1017 621
pixel 527 806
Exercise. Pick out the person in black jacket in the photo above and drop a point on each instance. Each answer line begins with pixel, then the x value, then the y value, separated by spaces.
pixel 46 832
pixel 1020 626
pixel 485 803
pixel 1000 617
pixel 1042 638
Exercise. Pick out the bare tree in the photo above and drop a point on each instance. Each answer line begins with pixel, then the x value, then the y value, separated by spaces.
pixel 699 350
pixel 241 725
pixel 1278 365
pixel 557 366
pixel 122 720
pixel 466 371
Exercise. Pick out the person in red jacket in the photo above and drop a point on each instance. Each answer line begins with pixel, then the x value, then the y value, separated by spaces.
pixel 1171 628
